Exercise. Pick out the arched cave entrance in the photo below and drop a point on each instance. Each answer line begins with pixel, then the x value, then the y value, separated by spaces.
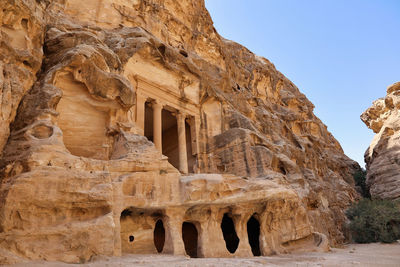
pixel 190 238
pixel 253 232
pixel 159 236
pixel 142 231
pixel 229 233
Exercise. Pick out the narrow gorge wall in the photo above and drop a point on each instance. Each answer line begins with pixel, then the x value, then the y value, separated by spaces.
pixel 122 116
pixel 383 155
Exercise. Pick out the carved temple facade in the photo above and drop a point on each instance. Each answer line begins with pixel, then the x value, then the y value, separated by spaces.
pixel 170 121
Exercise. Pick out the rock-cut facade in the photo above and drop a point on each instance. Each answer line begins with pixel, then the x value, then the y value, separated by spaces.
pixel 133 127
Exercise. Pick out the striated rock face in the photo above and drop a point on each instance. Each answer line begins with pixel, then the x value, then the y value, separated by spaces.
pixel 383 155
pixel 22 32
pixel 141 130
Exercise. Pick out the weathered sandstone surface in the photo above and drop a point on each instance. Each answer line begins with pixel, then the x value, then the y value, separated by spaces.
pixel 383 155
pixel 131 126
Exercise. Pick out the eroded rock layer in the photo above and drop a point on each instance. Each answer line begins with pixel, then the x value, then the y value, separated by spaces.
pixel 383 155
pixel 141 130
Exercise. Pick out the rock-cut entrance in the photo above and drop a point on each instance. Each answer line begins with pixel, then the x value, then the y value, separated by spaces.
pixel 253 233
pixel 159 236
pixel 229 233
pixel 190 238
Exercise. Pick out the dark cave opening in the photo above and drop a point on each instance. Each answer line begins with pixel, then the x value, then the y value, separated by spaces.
pixel 229 233
pixel 190 238
pixel 253 233
pixel 159 236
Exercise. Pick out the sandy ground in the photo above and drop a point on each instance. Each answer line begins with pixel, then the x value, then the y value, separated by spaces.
pixel 352 255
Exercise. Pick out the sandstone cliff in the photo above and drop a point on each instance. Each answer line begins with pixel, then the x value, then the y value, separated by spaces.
pixel 103 102
pixel 383 155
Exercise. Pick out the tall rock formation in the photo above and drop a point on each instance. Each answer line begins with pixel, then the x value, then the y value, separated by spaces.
pixel 22 32
pixel 142 130
pixel 383 155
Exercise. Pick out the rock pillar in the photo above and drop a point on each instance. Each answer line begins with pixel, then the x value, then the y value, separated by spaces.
pixel 157 125
pixel 140 110
pixel 173 234
pixel 183 163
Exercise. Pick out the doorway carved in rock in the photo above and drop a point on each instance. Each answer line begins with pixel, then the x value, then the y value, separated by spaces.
pixel 229 233
pixel 190 238
pixel 159 236
pixel 253 233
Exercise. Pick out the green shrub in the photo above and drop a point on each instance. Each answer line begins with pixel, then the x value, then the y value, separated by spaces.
pixel 374 221
pixel 360 178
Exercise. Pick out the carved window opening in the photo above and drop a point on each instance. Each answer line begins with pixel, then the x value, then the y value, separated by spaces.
pixel 229 233
pixel 159 236
pixel 190 239
pixel 253 233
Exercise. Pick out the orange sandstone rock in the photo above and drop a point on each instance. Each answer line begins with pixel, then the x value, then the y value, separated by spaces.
pixel 147 132
pixel 383 155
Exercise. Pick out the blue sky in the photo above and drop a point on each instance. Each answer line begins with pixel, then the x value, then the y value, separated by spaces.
pixel 342 54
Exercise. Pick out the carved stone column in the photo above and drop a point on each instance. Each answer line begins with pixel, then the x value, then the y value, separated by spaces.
pixel 140 110
pixel 183 163
pixel 157 125
pixel 195 127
